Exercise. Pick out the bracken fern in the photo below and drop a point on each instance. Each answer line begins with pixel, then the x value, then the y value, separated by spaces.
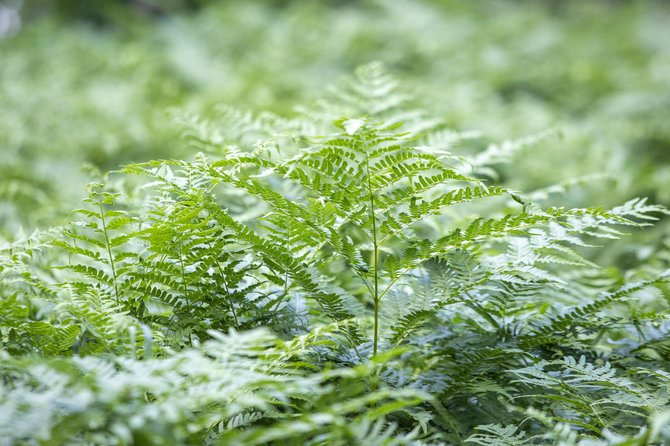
pixel 404 300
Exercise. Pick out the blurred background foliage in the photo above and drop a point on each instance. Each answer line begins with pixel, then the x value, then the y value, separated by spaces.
pixel 92 84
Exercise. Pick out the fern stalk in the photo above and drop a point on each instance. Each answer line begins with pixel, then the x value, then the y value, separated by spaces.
pixel 375 253
pixel 109 248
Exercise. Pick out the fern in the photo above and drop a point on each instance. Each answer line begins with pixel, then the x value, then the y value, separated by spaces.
pixel 401 299
pixel 497 435
pixel 350 215
pixel 593 392
pixel 375 187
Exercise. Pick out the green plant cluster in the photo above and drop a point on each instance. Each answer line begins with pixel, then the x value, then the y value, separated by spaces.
pixel 474 252
pixel 341 280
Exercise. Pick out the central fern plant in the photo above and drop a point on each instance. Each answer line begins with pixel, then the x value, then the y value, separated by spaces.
pixel 355 207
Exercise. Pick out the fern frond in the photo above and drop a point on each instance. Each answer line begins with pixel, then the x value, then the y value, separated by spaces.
pixel 578 315
pixel 498 435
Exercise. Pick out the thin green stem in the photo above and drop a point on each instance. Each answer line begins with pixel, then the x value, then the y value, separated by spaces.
pixel 375 264
pixel 286 276
pixel 225 286
pixel 183 275
pixel 375 252
pixel 376 296
pixel 185 284
pixel 109 248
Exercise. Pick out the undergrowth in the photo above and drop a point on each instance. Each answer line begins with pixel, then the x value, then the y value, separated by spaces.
pixel 338 280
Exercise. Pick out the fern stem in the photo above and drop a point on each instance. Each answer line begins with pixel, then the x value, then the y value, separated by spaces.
pixel 376 300
pixel 185 284
pixel 230 302
pixel 287 287
pixel 375 264
pixel 183 275
pixel 375 253
pixel 108 245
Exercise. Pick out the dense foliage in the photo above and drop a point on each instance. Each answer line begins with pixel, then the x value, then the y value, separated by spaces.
pixel 365 270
